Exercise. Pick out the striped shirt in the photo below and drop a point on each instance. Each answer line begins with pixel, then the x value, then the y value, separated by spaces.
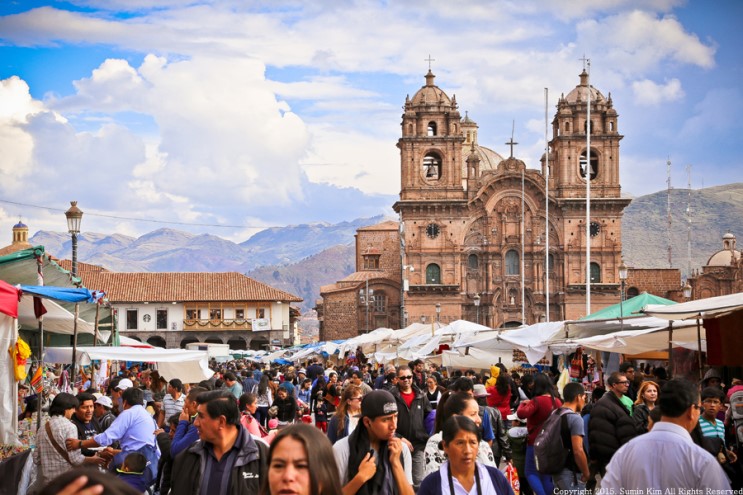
pixel 173 406
pixel 710 429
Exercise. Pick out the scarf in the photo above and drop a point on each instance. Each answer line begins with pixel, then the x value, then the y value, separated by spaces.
pixel 359 445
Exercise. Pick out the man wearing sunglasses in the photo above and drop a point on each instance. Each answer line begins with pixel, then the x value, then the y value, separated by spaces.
pixel 667 458
pixel 611 425
pixel 412 408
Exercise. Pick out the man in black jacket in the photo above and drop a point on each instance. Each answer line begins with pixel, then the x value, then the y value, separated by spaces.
pixel 610 425
pixel 412 408
pixel 226 459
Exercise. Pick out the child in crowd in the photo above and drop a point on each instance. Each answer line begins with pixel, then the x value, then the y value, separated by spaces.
pixel 132 471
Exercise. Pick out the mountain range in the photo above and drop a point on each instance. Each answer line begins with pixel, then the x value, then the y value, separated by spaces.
pixel 302 258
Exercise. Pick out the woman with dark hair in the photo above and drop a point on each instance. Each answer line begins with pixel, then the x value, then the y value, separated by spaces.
pixel 536 412
pixel 286 407
pixel 526 389
pixel 433 390
pixel 500 396
pixel 291 468
pixel 458 404
pixel 346 417
pixel 248 408
pixel 320 407
pixel 460 439
pixel 264 399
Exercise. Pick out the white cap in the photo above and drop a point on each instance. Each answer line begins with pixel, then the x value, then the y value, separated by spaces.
pixel 105 401
pixel 124 384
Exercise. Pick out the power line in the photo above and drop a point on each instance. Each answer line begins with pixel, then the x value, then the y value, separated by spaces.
pixel 149 220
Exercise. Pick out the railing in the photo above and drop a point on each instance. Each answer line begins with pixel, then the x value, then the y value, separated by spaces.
pixel 197 325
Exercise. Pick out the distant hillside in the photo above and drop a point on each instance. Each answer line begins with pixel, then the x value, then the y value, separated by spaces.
pixel 714 211
pixel 305 277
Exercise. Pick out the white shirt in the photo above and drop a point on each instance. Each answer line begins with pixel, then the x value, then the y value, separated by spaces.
pixel 666 457
pixel 342 452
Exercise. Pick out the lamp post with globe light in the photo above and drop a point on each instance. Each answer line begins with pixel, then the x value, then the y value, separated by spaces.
pixel 74 219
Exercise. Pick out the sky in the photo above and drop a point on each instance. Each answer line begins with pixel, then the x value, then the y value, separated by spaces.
pixel 227 117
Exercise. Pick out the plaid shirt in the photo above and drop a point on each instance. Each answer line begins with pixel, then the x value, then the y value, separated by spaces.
pixel 46 456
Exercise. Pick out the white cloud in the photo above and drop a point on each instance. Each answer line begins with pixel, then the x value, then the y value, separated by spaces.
pixel 648 92
pixel 639 41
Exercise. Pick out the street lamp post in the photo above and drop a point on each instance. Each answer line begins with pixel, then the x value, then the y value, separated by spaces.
pixel 477 307
pixel 74 218
pixel 438 318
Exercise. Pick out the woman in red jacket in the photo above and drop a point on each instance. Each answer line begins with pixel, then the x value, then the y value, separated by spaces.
pixel 535 412
pixel 500 396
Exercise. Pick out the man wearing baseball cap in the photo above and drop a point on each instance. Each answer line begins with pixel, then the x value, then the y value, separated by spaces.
pixel 372 460
pixel 102 412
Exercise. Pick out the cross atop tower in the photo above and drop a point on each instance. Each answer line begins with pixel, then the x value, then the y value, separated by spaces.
pixel 512 143
pixel 429 60
pixel 586 62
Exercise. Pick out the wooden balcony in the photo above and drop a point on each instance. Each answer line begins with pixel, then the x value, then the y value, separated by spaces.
pixel 199 325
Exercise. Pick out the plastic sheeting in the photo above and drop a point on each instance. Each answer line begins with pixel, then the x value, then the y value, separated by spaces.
pixel 8 386
pixel 710 307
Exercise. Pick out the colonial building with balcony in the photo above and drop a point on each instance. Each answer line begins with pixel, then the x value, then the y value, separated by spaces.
pixel 174 309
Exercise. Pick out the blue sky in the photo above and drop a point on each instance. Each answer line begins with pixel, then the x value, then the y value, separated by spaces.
pixel 229 116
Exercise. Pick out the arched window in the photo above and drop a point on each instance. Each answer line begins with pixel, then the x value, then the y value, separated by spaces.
pixel 595 273
pixel 432 128
pixel 473 262
pixel 551 263
pixel 594 164
pixel 567 126
pixel 512 262
pixel 432 166
pixel 632 292
pixel 611 125
pixel 433 274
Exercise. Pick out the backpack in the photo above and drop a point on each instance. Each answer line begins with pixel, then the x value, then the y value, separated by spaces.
pixel 550 453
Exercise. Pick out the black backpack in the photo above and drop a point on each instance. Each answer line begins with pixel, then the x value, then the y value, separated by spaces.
pixel 550 453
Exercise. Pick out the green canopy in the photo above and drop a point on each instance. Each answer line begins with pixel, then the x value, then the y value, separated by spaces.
pixel 630 307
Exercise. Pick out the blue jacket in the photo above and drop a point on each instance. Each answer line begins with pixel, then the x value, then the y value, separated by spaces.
pixel 185 435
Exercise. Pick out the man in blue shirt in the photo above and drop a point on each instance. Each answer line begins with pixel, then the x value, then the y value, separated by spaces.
pixel 186 433
pixel 134 428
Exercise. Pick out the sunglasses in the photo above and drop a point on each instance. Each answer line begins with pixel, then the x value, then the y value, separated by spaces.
pixel 406 377
pixel 623 383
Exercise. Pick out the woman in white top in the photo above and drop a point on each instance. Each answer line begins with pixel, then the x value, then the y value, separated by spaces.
pixel 458 404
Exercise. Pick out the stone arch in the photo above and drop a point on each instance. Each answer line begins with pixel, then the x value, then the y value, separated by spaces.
pixel 188 340
pixel 157 341
pixel 237 343
pixel 259 344
pixel 213 340
pixel 135 338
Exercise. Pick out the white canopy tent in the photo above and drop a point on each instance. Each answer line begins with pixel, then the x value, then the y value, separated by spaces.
pixel 711 307
pixel 188 366
pixel 531 340
pixel 56 319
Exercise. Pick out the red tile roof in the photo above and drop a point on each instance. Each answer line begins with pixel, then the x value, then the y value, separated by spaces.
pixel 183 287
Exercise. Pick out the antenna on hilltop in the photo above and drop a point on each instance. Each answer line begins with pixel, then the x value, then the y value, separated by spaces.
pixel 688 221
pixel 668 213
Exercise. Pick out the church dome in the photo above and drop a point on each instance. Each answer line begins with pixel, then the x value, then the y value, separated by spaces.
pixel 728 255
pixel 430 94
pixel 580 92
pixel 20 225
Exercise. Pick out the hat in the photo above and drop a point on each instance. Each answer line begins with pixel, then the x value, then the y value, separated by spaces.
pixel 378 403
pixel 514 417
pixel 479 390
pixel 105 401
pixel 124 384
pixel 302 371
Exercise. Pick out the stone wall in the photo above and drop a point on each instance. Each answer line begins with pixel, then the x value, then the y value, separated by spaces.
pixel 236 339
pixel 662 282
pixel 340 316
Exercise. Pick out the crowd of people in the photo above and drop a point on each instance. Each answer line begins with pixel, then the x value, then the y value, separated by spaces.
pixel 361 429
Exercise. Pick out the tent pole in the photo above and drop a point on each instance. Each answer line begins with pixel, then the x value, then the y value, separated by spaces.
pixel 699 348
pixel 41 365
pixel 74 346
pixel 95 335
pixel 670 350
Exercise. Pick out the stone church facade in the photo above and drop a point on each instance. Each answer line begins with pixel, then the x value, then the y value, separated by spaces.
pixel 472 224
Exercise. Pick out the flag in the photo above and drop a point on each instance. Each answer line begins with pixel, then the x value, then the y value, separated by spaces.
pixel 36 382
pixel 9 297
pixel 39 309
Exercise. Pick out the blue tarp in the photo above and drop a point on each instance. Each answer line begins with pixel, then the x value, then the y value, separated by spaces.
pixel 66 294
